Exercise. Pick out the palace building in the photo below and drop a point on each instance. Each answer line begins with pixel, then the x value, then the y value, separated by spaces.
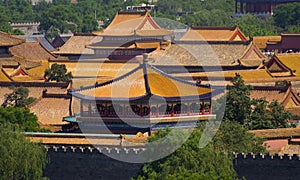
pixel 141 100
pixel 262 8
pixel 130 34
pixel 214 33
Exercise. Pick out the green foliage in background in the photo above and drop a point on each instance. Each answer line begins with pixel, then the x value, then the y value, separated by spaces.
pixel 18 97
pixel 64 16
pixel 20 158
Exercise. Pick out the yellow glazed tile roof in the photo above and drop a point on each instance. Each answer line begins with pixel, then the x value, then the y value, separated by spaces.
pixel 291 60
pixel 246 74
pixel 133 85
pixel 31 51
pixel 77 45
pixel 40 70
pixel 3 76
pixel 130 87
pixel 171 87
pixel 9 40
pixel 213 34
pixel 100 69
pixel 220 54
pixel 131 23
pixel 261 41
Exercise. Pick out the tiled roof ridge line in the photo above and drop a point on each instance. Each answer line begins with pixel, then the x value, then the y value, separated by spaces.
pixel 293 93
pixel 251 45
pixel 214 27
pixel 177 79
pixel 12 36
pixel 265 156
pixel 124 12
pixel 276 58
pixel 6 74
pixel 287 93
pixel 107 82
pixel 18 69
pixel 39 42
pixel 266 87
pixel 247 42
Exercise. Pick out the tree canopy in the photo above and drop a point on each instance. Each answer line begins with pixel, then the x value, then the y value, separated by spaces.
pixel 20 158
pixel 253 113
pixel 58 73
pixel 189 161
pixel 64 16
pixel 18 98
pixel 23 118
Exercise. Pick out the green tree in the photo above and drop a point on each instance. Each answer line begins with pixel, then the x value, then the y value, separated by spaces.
pixel 233 137
pixel 252 25
pixel 60 17
pixel 287 14
pixel 20 158
pixel 191 162
pixel 58 73
pixel 23 118
pixel 18 98
pixel 89 24
pixel 253 113
pixel 188 161
pixel 267 115
pixel 238 103
pixel 4 21
pixel 279 115
pixel 260 117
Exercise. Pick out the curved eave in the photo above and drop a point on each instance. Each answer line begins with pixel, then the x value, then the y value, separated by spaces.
pixel 92 98
pixel 141 98
pixel 177 79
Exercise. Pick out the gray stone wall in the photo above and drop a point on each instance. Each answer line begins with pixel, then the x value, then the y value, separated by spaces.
pixel 94 165
pixel 86 165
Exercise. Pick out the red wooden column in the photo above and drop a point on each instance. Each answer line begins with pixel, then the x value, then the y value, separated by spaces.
pixel 241 8
pixel 172 110
pixel 202 109
pixel 106 110
pixel 149 111
pixel 188 109
pixel 141 110
pixel 89 110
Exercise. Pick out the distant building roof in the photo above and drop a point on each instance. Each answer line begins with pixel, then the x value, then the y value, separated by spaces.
pixel 9 40
pixel 41 38
pixel 285 64
pixel 213 33
pixel 288 42
pixel 262 41
pixel 96 69
pixel 60 40
pixel 209 54
pixel 285 95
pixel 77 44
pixel 133 23
pixel 31 51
